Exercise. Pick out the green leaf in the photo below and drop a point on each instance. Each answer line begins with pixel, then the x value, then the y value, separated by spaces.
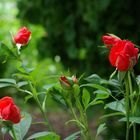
pixel 59 99
pixel 5 53
pixel 76 89
pixel 5 129
pixel 27 98
pixel 6 80
pixel 44 103
pixel 44 136
pixel 21 84
pixel 73 136
pixel 112 114
pixel 138 79
pixel 94 78
pixel 100 129
pixel 132 119
pixel 20 68
pixel 95 102
pixel 111 82
pixel 2 85
pixel 100 94
pixel 56 93
pixel 49 86
pixel 117 106
pixel 77 122
pixel 81 77
pixel 85 98
pixel 22 128
pixel 24 76
pixel 97 86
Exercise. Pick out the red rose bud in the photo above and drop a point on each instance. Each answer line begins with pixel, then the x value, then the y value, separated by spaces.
pixel 22 37
pixel 68 82
pixel 123 55
pixel 109 40
pixel 9 111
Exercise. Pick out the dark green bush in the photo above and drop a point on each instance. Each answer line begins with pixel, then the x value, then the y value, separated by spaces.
pixel 74 29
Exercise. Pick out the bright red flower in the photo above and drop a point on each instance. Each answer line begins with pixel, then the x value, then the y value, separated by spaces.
pixel 109 40
pixel 123 55
pixel 9 111
pixel 23 36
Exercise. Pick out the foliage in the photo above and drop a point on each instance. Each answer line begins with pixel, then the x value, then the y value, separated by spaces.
pixel 76 91
pixel 8 12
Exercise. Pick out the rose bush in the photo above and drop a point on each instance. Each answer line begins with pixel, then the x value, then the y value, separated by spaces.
pixel 77 95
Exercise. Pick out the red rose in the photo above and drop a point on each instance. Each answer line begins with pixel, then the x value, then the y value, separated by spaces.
pixel 123 55
pixel 23 36
pixel 9 111
pixel 109 40
pixel 67 82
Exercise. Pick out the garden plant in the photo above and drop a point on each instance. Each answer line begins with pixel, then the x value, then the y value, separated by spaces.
pixel 75 94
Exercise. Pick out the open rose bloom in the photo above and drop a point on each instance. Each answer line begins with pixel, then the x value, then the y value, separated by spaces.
pixel 9 111
pixel 22 37
pixel 123 54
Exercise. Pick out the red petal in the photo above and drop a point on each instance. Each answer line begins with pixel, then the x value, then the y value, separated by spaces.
pixel 5 113
pixel 14 114
pixel 123 62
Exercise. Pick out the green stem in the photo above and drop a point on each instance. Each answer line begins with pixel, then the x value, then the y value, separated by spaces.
pixel 127 107
pixel 132 104
pixel 75 116
pixel 134 131
pixel 33 89
pixel 83 119
pixel 44 115
pixel 13 133
pixel 72 110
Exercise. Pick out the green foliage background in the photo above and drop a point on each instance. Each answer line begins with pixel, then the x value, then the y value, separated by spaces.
pixel 74 29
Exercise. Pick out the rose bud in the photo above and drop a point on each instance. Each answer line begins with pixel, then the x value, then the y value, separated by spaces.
pixel 68 82
pixel 22 37
pixel 123 55
pixel 9 111
pixel 109 40
pixel 74 79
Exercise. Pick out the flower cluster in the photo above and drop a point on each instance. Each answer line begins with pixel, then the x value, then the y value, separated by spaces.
pixel 123 54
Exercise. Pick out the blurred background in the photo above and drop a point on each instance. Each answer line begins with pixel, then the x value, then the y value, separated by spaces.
pixel 67 35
